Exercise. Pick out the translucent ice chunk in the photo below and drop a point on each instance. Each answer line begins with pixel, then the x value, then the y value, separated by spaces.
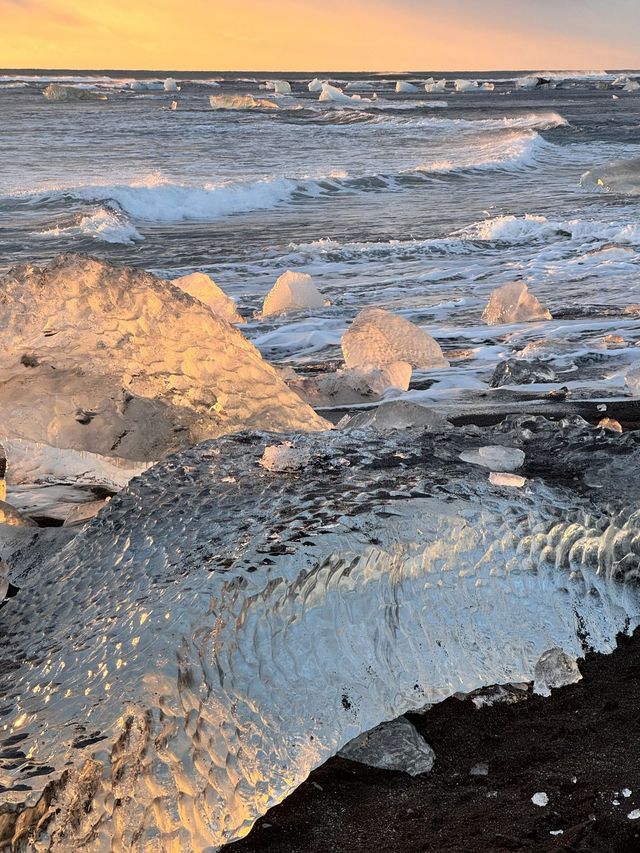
pixel 284 457
pixel 555 668
pixel 377 337
pixel 516 371
pixel 56 92
pixel 122 363
pixel 540 799
pixel 353 385
pixel 406 88
pixel 632 381
pixel 466 85
pixel 315 85
pixel 513 303
pixel 433 87
pixel 170 85
pixel 396 414
pixel 336 95
pixel 396 745
pixel 241 102
pixel 293 291
pixel 202 287
pixel 495 457
pixel 281 87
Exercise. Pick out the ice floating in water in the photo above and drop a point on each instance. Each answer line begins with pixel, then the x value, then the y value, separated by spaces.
pixel 466 85
pixel 406 88
pixel 29 462
pixel 56 92
pixel 631 86
pixel 396 745
pixel 531 82
pixel 241 102
pixel 172 660
pixel 497 457
pixel 622 176
pixel 293 291
pixel 513 303
pixel 434 86
pixel 377 337
pixel 115 361
pixel 204 289
pixel 315 85
pixel 174 105
pixel 170 85
pixel 555 668
pixel 336 95
pixel 281 87
pixel 487 87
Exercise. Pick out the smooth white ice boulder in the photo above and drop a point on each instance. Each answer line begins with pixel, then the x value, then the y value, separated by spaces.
pixel 434 86
pixel 496 457
pixel 315 85
pixel 241 102
pixel 170 85
pixel 377 338
pixel 466 85
pixel 512 303
pixel 336 95
pixel 281 87
pixel 293 291
pixel 202 287
pixel 406 88
pixel 488 87
pixel 124 364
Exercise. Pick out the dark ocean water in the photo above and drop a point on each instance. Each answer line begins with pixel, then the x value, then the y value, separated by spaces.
pixel 421 203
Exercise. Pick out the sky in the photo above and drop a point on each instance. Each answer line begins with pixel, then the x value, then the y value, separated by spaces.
pixel 308 35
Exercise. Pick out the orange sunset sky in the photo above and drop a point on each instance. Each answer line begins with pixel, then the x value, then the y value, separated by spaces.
pixel 289 35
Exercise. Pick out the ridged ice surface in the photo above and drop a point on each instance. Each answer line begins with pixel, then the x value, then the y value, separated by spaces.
pixel 114 360
pixel 220 630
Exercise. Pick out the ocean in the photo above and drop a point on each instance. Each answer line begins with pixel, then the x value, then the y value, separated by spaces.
pixel 418 203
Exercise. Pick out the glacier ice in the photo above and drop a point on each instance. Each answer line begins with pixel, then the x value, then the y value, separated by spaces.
pixel 402 86
pixel 293 291
pixel 510 481
pixel 173 105
pixel 512 303
pixel 241 102
pixel 396 414
pixel 284 457
pixel 281 87
pixel 394 745
pixel 214 634
pixel 466 85
pixel 315 85
pixel 555 668
pixel 170 85
pixel 611 424
pixel 29 462
pixel 204 289
pixel 116 361
pixel 497 457
pixel 57 92
pixel 540 799
pixel 377 338
pixel 631 86
pixel 434 86
pixel 518 371
pixel 336 95
pixel 352 385
pixel 632 381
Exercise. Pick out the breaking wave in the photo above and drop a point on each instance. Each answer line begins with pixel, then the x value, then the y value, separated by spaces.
pixel 513 150
pixel 105 225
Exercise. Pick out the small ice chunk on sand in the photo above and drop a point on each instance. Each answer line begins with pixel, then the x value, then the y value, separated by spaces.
pixel 540 799
pixel 396 745
pixel 512 303
pixel 376 337
pixel 556 832
pixel 315 85
pixel 284 457
pixel 241 102
pixel 170 85
pixel 281 87
pixel 406 88
pixel 610 424
pixel 481 769
pixel 204 289
pixel 626 792
pixel 513 481
pixel 496 457
pixel 634 815
pixel 555 668
pixel 293 291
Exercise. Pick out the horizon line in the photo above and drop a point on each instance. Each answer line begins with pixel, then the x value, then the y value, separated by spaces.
pixel 608 69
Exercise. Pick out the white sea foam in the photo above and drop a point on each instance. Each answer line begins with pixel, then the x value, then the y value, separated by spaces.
pixel 517 229
pixel 512 150
pixel 105 225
